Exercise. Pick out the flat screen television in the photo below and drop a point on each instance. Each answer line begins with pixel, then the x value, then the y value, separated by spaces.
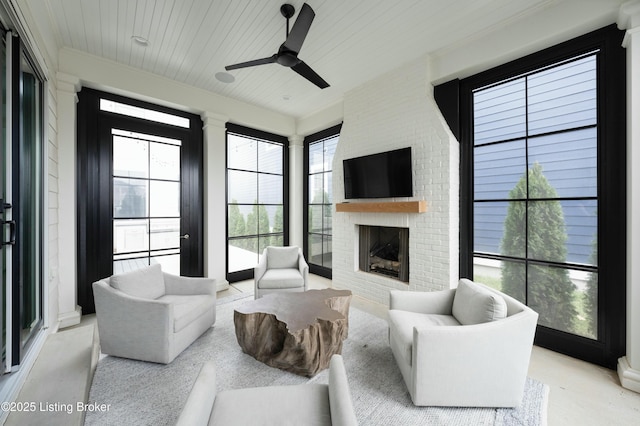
pixel 383 175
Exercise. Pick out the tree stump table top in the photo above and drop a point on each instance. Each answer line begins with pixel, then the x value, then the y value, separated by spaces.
pixel 296 332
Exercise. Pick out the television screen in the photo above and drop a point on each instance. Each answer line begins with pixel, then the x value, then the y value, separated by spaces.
pixel 382 175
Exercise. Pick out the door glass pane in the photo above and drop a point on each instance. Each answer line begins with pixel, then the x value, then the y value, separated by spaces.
pixel 164 161
pixel 164 199
pixel 130 157
pixel 146 208
pixel 130 197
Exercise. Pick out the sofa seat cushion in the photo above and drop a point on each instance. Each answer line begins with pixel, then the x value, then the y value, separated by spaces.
pixel 274 405
pixel 146 283
pixel 187 308
pixel 473 304
pixel 281 278
pixel 402 323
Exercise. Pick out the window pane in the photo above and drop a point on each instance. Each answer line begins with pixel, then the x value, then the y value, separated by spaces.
pixel 488 272
pixel 129 264
pixel 242 153
pixel 130 235
pixel 130 157
pixel 563 97
pixel 316 157
pixel 164 161
pixel 561 231
pixel 513 279
pixel 492 234
pixel 551 294
pixel 315 249
pixel 164 233
pixel 271 219
pixel 237 220
pixel 270 189
pixel 500 112
pixel 315 218
pixel 130 197
pixel 243 254
pixel 242 187
pixel 270 157
pixel 569 162
pixel 330 146
pixel 316 188
pixel 164 199
pixel 327 255
pixel 327 214
pixel 328 185
pixel 497 169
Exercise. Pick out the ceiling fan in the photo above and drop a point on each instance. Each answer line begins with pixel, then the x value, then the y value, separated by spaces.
pixel 288 52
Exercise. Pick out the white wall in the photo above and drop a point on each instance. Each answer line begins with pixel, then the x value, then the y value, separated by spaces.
pixel 396 111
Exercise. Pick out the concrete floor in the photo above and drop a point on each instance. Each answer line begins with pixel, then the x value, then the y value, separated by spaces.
pixel 580 393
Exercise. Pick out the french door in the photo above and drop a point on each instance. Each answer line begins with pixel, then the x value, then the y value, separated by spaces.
pixel 139 190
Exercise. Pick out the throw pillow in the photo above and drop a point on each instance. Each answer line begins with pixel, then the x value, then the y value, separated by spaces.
pixel 282 257
pixel 473 304
pixel 147 283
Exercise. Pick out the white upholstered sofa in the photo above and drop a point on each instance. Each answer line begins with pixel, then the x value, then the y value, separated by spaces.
pixel 468 346
pixel 150 315
pixel 281 269
pixel 307 404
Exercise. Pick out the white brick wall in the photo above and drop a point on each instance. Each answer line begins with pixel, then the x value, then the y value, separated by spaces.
pixel 396 111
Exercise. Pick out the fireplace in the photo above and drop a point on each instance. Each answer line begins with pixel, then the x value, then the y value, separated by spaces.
pixel 384 250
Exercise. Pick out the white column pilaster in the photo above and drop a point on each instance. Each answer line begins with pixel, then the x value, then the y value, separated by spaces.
pixel 629 365
pixel 69 312
pixel 215 247
pixel 296 190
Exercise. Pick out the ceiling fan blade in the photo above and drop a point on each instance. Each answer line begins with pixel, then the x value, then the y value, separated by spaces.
pixel 306 71
pixel 300 29
pixel 263 61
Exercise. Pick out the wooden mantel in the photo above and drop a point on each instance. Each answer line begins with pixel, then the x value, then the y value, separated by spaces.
pixel 384 207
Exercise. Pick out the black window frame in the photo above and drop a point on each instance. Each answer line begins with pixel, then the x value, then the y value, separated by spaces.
pixel 271 137
pixel 333 131
pixel 611 77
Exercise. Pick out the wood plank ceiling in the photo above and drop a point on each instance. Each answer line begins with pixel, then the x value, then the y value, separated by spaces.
pixel 350 41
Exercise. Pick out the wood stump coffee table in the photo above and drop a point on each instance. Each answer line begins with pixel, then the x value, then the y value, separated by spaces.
pixel 296 332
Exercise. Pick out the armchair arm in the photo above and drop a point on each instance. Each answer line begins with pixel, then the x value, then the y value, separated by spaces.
pixel 423 302
pixel 342 413
pixel 124 321
pixel 478 365
pixel 261 267
pixel 197 409
pixel 303 267
pixel 189 285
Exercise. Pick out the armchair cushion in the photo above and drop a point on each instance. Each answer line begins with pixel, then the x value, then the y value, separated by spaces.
pixel 146 283
pixel 473 304
pixel 281 278
pixel 186 309
pixel 282 257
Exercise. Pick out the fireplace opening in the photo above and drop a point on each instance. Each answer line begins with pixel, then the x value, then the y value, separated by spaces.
pixel 384 250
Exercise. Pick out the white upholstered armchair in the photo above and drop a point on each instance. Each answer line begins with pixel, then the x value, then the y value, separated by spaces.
pixel 281 269
pixel 150 315
pixel 467 347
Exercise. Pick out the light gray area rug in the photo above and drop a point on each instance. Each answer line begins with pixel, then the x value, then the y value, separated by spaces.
pixel 142 393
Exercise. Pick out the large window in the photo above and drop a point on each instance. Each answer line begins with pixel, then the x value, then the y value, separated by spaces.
pixel 543 145
pixel 535 192
pixel 256 197
pixel 319 151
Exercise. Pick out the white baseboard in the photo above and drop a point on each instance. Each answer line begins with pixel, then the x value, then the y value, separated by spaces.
pixel 629 378
pixel 68 319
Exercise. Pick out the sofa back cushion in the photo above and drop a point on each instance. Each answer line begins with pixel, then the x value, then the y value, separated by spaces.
pixel 282 257
pixel 146 283
pixel 474 304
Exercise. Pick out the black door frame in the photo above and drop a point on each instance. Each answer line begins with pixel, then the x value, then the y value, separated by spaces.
pixel 94 187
